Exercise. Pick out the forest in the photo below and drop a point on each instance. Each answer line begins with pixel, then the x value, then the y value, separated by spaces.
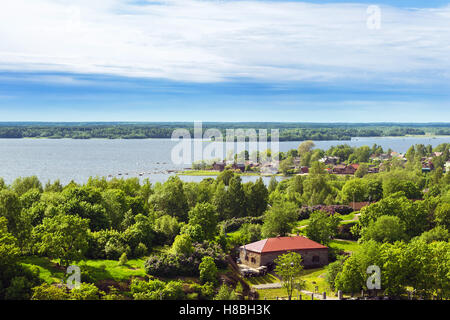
pixel 174 240
pixel 288 131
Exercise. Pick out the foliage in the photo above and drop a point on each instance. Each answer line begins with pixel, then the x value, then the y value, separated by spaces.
pixel 279 219
pixel 62 237
pixel 289 268
pixel 208 270
pixel 226 293
pixel 322 227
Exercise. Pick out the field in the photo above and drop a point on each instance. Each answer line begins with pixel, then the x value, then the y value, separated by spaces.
pixel 98 269
pixel 345 245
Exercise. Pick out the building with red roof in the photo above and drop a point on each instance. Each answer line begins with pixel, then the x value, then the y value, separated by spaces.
pixel 264 252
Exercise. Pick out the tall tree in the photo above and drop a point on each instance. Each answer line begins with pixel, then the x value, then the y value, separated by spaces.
pixel 289 267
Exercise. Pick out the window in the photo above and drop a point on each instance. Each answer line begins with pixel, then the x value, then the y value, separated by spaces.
pixel 315 259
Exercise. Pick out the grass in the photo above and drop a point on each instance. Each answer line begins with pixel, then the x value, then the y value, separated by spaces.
pixel 345 245
pixel 316 278
pixel 110 269
pixel 349 216
pixel 272 294
pixel 48 271
pixel 268 278
pixel 98 269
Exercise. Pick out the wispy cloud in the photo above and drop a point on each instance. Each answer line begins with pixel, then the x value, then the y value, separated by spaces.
pixel 212 41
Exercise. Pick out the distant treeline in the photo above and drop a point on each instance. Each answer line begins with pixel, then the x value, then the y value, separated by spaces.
pixel 288 131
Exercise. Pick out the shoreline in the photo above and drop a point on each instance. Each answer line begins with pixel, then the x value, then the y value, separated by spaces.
pixel 206 140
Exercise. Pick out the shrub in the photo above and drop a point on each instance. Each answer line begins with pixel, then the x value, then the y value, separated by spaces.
pixel 171 265
pixel 123 259
pixel 50 292
pixel 208 270
pixel 86 291
pixel 141 250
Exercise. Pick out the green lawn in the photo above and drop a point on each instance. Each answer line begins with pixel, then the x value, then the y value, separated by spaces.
pixel 268 278
pixel 316 278
pixel 349 216
pixel 272 294
pixel 98 269
pixel 345 245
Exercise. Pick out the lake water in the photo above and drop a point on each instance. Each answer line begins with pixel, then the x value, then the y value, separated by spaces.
pixel 77 160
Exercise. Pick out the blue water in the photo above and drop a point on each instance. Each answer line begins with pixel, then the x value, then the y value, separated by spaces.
pixel 77 160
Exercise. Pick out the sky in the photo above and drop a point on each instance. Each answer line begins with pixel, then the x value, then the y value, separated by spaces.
pixel 225 60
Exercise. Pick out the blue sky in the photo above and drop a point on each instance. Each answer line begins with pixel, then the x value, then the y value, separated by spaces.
pixel 172 60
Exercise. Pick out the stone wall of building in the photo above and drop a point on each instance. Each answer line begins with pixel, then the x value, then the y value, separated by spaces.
pixel 311 258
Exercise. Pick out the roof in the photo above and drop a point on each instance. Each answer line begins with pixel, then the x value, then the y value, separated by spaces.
pixel 283 244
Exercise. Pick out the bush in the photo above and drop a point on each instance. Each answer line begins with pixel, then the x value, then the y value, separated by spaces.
pixel 172 265
pixel 208 270
pixel 50 292
pixel 305 212
pixel 123 259
pixel 86 291
pixel 141 250
pixel 344 231
pixel 234 224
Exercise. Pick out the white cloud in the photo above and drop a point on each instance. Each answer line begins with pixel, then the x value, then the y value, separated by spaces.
pixel 209 41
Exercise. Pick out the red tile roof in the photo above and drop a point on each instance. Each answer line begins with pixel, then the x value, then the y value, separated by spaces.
pixel 283 244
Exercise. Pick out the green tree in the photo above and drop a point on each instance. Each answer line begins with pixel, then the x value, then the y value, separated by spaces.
pixel 322 227
pixel 354 191
pixel 279 219
pixel 236 198
pixel 385 229
pixel 438 233
pixel 225 177
pixel 86 291
pixel 305 147
pixel 442 215
pixel 9 251
pixel 22 185
pixel 123 259
pixel 208 270
pixel 170 199
pixel 63 237
pixel 350 280
pixel 50 292
pixel 205 215
pixel 257 198
pixel 182 245
pixel 225 293
pixel 289 268
pixel 362 170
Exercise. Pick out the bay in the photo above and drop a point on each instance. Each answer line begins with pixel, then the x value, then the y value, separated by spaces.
pixel 77 160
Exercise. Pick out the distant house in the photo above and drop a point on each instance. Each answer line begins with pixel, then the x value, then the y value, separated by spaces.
pixel 373 169
pixel 269 168
pixel 330 160
pixel 219 166
pixel 339 169
pixel 359 205
pixel 343 169
pixel 238 166
pixel 304 170
pixel 447 167
pixel 296 162
pixel 264 252
pixel 427 165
